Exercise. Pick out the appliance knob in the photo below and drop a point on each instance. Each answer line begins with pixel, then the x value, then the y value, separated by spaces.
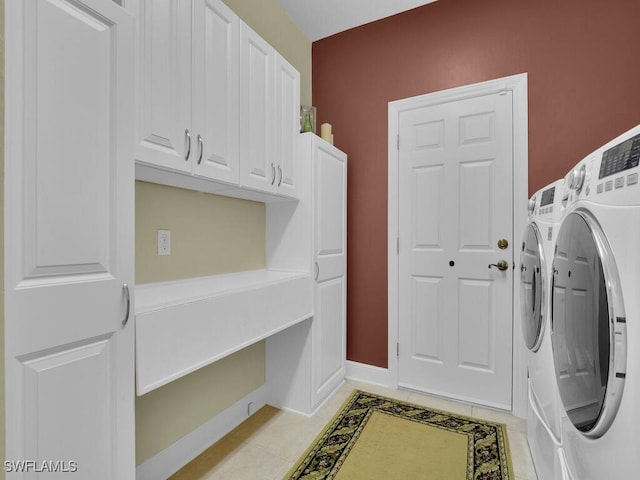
pixel 572 179
pixel 578 178
pixel 532 205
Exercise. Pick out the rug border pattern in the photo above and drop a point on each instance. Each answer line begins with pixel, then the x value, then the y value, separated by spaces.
pixel 501 441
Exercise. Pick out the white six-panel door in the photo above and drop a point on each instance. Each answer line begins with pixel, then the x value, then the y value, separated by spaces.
pixel 69 237
pixel 455 190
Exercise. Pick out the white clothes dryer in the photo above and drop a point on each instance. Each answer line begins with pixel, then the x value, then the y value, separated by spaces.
pixel 595 317
pixel 536 256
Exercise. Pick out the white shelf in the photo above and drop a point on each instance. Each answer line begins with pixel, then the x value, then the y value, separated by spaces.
pixel 184 325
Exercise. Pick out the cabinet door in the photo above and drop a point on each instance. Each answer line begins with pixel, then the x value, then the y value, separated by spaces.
pixel 330 179
pixel 329 335
pixel 287 126
pixel 163 84
pixel 69 236
pixel 216 107
pixel 257 167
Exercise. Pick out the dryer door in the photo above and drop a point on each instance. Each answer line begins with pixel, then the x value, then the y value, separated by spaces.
pixel 532 283
pixel 587 322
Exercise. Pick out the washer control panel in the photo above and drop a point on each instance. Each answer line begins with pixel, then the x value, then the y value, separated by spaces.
pixel 623 156
pixel 545 203
pixel 610 175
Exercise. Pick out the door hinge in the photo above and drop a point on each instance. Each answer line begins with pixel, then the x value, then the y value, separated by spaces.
pixel 398 350
pixel 398 141
pixel 398 245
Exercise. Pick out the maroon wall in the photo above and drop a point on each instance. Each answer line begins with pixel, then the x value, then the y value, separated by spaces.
pixel 583 62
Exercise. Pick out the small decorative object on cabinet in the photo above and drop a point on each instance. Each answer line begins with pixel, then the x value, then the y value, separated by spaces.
pixel 307 119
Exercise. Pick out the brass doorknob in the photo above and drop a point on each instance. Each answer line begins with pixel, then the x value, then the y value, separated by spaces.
pixel 502 265
pixel 503 243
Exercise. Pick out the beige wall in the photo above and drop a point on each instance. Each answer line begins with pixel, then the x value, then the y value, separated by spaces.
pixel 271 22
pixel 209 235
pixel 170 412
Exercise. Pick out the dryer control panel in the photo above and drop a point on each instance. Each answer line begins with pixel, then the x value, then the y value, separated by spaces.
pixel 609 175
pixel 622 157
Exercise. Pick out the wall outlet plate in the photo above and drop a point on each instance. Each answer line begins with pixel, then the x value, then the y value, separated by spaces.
pixel 164 242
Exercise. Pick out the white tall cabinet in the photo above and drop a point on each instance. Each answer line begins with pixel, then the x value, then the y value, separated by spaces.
pixel 329 252
pixel 69 193
pixel 306 363
pixel 73 131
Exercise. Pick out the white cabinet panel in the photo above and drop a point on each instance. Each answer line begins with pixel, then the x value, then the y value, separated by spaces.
pixel 163 100
pixel 257 57
pixel 216 87
pixel 329 213
pixel 215 102
pixel 69 235
pixel 329 329
pixel 287 125
pixel 270 117
pixel 306 363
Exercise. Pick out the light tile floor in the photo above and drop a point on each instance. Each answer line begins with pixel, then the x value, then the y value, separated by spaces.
pixel 270 442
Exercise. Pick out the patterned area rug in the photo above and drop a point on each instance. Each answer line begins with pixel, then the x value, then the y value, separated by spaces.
pixel 374 437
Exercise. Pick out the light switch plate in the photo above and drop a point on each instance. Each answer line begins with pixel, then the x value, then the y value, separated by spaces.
pixel 164 242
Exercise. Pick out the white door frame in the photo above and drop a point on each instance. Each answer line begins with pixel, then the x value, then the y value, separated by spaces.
pixel 517 84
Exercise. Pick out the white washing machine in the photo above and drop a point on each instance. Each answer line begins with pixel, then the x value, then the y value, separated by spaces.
pixel 595 319
pixel 536 256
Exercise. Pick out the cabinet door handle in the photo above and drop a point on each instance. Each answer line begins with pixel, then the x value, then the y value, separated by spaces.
pixel 280 170
pixel 187 140
pixel 317 272
pixel 127 297
pixel 273 173
pixel 201 145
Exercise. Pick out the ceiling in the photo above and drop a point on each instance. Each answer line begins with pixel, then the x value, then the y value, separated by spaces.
pixel 322 18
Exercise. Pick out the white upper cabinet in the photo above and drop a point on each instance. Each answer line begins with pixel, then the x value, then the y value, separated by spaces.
pixel 257 66
pixel 214 101
pixel 216 87
pixel 287 126
pixel 269 115
pixel 163 83
pixel 187 88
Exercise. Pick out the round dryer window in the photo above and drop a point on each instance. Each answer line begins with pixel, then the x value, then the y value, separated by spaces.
pixel 586 303
pixel 532 283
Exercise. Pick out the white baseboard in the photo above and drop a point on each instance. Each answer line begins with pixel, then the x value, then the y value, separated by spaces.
pixel 177 455
pixel 362 372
